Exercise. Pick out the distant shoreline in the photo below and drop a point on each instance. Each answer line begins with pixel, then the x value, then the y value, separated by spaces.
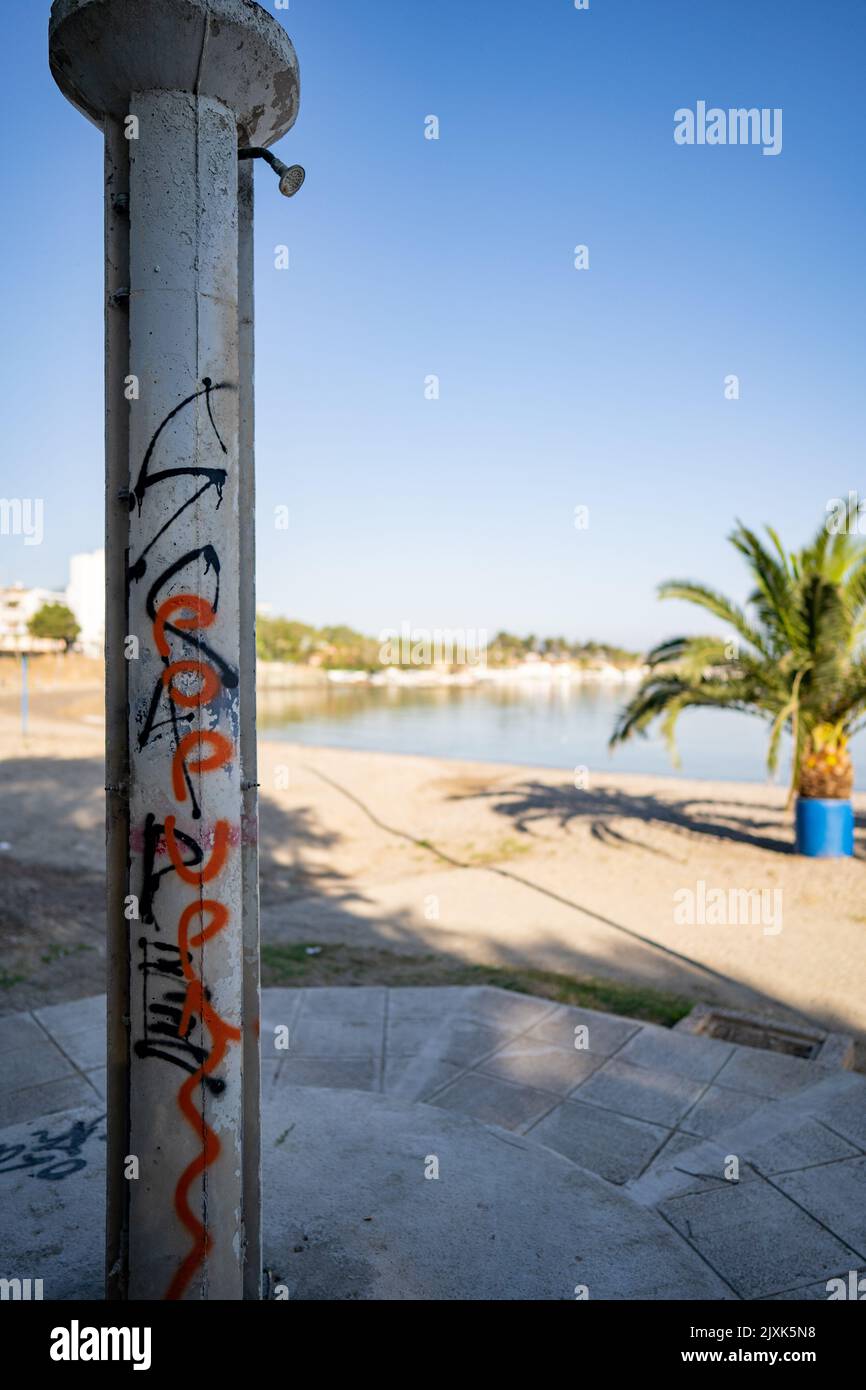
pixel 58 671
pixel 274 675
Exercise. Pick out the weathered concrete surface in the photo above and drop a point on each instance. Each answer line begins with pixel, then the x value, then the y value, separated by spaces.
pixel 52 1202
pixel 184 705
pixel 175 84
pixel 346 1139
pixel 350 1215
pixel 231 50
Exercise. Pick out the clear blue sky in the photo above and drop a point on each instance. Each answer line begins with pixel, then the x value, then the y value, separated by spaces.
pixel 559 388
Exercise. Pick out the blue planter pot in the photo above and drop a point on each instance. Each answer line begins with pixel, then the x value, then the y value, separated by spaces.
pixel 825 828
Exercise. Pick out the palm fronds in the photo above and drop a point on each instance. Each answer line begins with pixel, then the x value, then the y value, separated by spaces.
pixel 794 655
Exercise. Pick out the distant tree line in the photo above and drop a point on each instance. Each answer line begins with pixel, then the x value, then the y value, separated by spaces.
pixel 300 644
pixel 342 648
pixel 507 648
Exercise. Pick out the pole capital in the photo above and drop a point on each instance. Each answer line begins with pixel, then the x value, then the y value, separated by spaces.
pixel 101 51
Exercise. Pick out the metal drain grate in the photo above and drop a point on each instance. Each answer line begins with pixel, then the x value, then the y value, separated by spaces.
pixel 770 1034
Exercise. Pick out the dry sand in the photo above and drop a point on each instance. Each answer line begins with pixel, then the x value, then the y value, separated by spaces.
pixel 499 865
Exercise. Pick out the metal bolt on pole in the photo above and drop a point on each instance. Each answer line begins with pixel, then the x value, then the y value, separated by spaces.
pixel 177 87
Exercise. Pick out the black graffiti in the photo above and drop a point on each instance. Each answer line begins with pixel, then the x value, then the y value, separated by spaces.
pixel 170 1031
pixel 153 833
pixel 163 1015
pixel 214 477
pixel 44 1153
pixel 190 640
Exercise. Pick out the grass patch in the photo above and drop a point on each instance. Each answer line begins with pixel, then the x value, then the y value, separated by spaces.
pixel 585 992
pixel 346 965
pixel 8 981
pixel 57 952
pixel 282 965
pixel 508 848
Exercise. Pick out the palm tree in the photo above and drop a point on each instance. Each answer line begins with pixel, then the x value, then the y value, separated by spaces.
pixel 794 656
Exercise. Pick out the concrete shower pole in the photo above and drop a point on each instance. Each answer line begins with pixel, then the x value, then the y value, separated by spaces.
pixel 177 86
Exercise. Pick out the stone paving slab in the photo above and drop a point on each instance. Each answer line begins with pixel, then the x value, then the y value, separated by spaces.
pixel 604 1034
pixel 807 1144
pixel 530 1061
pixel 756 1239
pixel 718 1108
pixel 502 1008
pixel 768 1074
pixel 495 1101
pixel 39 1073
pixel 279 1009
pixel 454 1034
pixel 843 1109
pixel 74 1017
pixel 340 1023
pixel 18 1031
pixel 415 1014
pixel 835 1195
pixel 33 1065
pixel 616 1147
pixel 84 1048
pixel 661 1097
pixel 467 1041
pixel 35 1101
pixel 401 1077
pixel 694 1165
pixel 98 1079
pixel 660 1049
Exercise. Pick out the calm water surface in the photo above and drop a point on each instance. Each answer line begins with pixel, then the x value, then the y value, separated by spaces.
pixel 545 728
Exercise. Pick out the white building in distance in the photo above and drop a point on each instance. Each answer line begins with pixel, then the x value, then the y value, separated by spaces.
pixel 17 606
pixel 85 595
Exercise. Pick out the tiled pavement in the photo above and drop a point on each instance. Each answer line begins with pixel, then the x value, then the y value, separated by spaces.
pixel 52 1060
pixel 660 1114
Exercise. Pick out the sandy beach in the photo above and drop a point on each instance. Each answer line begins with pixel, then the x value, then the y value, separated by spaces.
pixel 406 868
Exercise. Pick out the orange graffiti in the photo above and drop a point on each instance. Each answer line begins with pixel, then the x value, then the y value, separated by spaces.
pixel 198 751
pixel 222 1034
pixel 202 616
pixel 210 683
pixel 222 753
pixel 218 855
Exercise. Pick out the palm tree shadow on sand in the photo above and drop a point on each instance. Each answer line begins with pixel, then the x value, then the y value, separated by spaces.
pixel 531 803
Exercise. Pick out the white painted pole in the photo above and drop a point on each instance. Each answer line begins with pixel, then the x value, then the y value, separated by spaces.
pixel 182 82
pixel 186 802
